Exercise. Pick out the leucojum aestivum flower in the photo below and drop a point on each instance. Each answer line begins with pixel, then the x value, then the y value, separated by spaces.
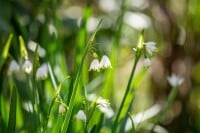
pixel 142 49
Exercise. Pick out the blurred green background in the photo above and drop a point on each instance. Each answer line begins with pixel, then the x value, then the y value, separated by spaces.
pixel 62 28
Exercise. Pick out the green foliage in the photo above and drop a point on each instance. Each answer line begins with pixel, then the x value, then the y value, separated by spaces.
pixel 70 88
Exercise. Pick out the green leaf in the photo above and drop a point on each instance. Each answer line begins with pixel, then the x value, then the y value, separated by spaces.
pixel 53 102
pixel 5 51
pixel 12 114
pixel 76 82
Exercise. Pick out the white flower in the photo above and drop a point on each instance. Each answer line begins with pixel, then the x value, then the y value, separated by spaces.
pixel 13 67
pixel 42 71
pixel 104 106
pixel 27 66
pixel 95 65
pixel 175 80
pixel 28 106
pixel 91 97
pixel 81 115
pixel 52 30
pixel 150 47
pixel 102 102
pixel 105 62
pixel 108 111
pixel 147 62
pixel 32 46
pixel 61 109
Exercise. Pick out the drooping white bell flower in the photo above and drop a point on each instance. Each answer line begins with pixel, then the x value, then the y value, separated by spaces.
pixel 108 111
pixel 13 67
pixel 102 102
pixel 175 80
pixel 32 46
pixel 147 62
pixel 81 115
pixel 95 65
pixel 27 66
pixel 104 106
pixel 105 62
pixel 42 71
pixel 150 47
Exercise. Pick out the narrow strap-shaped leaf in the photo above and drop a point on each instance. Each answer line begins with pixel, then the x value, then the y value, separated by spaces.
pixel 5 51
pixel 12 114
pixel 75 86
pixel 7 46
pixel 53 102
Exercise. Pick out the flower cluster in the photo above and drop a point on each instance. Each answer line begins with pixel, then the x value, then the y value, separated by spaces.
pixel 15 67
pixel 149 48
pixel 27 67
pixel 103 64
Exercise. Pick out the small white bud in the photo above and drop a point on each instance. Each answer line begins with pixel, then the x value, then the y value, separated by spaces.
pixel 81 115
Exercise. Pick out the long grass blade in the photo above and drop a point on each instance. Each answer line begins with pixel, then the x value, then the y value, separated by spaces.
pixel 12 114
pixel 76 82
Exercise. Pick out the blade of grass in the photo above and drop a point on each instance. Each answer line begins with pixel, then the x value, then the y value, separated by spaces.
pixel 52 76
pixel 12 114
pixel 5 50
pixel 76 82
pixel 53 102
pixel 34 89
pixel 106 93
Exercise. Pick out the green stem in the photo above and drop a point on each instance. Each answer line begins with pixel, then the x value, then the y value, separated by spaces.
pixel 128 88
pixel 89 118
pixel 170 99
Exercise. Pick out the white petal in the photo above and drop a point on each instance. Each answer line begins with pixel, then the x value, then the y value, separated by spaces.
pixel 32 46
pixel 147 62
pixel 95 65
pixel 81 115
pixel 150 47
pixel 13 67
pixel 108 111
pixel 42 72
pixel 27 66
pixel 105 62
pixel 175 80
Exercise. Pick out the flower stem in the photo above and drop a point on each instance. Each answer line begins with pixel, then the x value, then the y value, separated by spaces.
pixel 170 99
pixel 128 88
